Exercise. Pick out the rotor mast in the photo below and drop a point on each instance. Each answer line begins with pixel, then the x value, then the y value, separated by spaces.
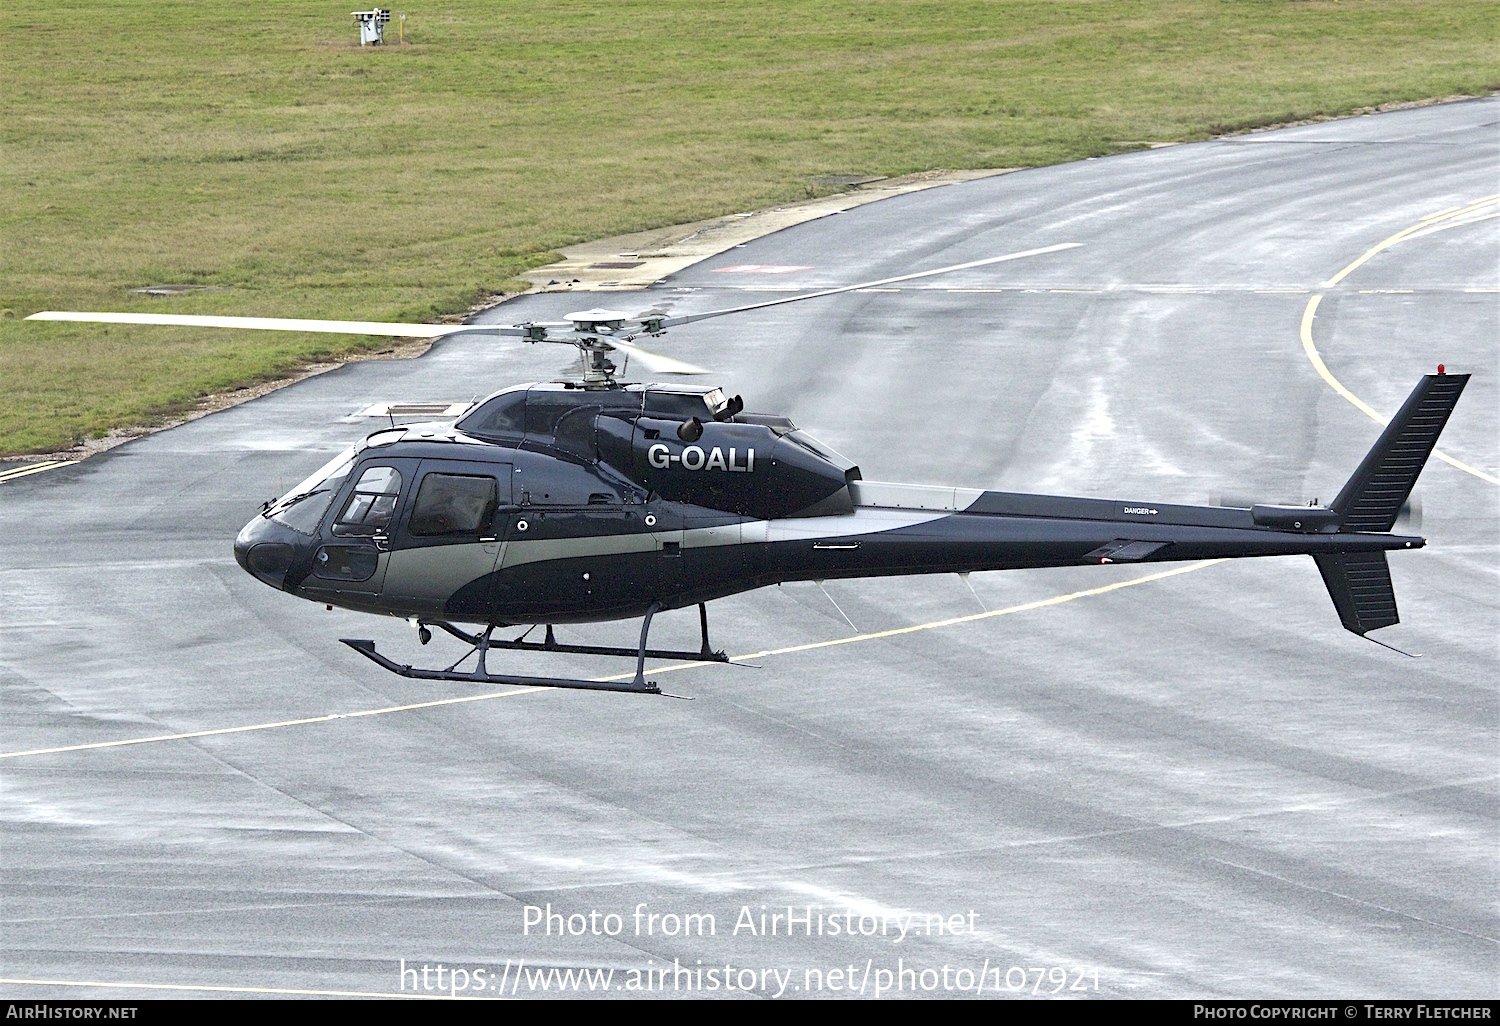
pixel 590 331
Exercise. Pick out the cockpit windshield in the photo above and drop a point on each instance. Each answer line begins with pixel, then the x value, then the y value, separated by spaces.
pixel 303 507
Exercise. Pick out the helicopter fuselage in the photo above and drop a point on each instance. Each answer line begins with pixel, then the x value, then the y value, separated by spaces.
pixel 555 504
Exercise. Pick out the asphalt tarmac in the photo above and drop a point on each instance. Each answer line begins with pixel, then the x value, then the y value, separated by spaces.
pixel 1194 786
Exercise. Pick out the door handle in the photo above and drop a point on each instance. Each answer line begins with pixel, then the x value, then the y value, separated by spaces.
pixel 382 543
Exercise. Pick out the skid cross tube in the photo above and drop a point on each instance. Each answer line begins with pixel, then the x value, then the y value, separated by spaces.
pixel 705 654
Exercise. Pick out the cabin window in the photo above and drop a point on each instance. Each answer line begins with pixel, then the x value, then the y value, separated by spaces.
pixel 370 508
pixel 501 418
pixel 544 408
pixel 449 504
pixel 567 484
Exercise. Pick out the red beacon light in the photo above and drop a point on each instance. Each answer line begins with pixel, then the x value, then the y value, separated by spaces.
pixel 1440 368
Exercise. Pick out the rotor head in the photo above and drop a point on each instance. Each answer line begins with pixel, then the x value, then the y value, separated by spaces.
pixel 599 321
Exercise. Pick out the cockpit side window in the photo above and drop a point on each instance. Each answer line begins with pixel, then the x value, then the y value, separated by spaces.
pixel 370 508
pixel 453 504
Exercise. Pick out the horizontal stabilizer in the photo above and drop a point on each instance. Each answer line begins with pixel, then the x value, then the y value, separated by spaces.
pixel 1360 586
pixel 1373 498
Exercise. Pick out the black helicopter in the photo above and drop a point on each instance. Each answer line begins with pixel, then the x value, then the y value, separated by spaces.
pixel 591 500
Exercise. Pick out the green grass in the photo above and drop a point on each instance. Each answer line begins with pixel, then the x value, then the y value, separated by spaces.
pixel 256 148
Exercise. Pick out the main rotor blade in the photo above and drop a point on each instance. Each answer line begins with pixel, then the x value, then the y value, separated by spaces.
pixel 387 328
pixel 667 322
pixel 655 362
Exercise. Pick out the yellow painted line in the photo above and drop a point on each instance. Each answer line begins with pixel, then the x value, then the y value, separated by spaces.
pixel 279 723
pixel 289 991
pixel 1442 213
pixel 1458 223
pixel 1322 368
pixel 1468 208
pixel 1056 600
pixel 1404 233
pixel 26 470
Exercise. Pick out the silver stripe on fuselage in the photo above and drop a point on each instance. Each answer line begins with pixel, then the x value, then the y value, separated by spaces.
pixel 750 532
pixel 846 525
pixel 522 550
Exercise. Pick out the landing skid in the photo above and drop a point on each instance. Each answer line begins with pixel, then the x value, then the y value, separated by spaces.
pixel 705 654
pixel 484 641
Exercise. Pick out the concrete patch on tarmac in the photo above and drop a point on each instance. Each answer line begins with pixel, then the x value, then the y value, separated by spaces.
pixel 641 259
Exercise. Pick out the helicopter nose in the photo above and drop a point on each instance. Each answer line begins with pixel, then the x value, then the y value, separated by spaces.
pixel 266 550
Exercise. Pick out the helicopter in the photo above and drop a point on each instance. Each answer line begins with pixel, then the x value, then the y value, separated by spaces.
pixel 591 499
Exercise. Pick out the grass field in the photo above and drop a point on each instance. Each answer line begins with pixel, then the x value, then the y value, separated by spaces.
pixel 256 148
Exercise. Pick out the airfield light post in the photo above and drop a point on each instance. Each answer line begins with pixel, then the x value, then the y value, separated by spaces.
pixel 401 31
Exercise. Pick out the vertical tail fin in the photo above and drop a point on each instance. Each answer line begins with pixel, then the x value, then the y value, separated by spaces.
pixel 1360 582
pixel 1373 498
